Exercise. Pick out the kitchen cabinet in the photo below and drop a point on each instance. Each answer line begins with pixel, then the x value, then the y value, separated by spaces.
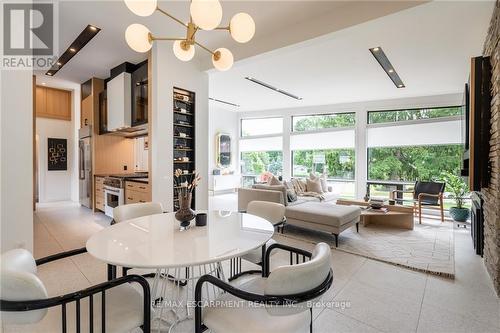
pixel 137 192
pixel 140 95
pixel 99 193
pixel 119 102
pixel 53 103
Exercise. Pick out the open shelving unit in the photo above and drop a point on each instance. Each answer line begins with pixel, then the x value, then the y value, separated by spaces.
pixel 184 136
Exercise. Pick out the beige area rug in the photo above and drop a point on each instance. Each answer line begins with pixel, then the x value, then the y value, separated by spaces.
pixel 429 247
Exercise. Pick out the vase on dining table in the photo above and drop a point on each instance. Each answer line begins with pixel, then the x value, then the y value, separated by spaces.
pixel 185 214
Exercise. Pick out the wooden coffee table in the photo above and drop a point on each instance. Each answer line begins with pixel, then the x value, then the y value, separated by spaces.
pixel 396 216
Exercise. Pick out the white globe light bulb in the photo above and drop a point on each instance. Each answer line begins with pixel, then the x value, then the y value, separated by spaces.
pixel 206 14
pixel 137 37
pixel 242 27
pixel 182 51
pixel 141 7
pixel 222 59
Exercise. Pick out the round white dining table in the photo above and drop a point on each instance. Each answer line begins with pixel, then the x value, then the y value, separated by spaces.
pixel 179 257
pixel 156 241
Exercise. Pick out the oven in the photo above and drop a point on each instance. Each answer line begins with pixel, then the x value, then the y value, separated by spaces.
pixel 114 195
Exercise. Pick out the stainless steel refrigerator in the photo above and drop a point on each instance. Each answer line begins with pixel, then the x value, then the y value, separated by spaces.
pixel 85 166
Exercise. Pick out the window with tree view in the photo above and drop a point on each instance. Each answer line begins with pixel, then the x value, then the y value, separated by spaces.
pixel 413 162
pixel 316 122
pixel 254 164
pixel 335 163
pixel 376 117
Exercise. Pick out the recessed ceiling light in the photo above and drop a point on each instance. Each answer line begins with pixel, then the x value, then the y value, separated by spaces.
pixel 386 65
pixel 43 83
pixel 76 46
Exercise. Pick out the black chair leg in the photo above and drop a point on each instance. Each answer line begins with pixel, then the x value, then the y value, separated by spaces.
pixel 311 324
pixel 111 272
pixel 357 227
pixel 336 240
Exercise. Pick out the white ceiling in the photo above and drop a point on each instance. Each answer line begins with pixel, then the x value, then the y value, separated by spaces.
pixel 279 23
pixel 429 46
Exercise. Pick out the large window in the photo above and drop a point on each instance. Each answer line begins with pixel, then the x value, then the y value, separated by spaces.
pixel 376 117
pixel 413 162
pixel 261 149
pixel 325 144
pixel 261 126
pixel 336 163
pixel 409 145
pixel 323 121
pixel 255 165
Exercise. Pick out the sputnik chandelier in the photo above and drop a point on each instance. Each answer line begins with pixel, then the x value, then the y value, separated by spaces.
pixel 205 15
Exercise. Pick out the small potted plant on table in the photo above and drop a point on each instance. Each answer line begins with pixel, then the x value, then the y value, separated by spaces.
pixel 459 190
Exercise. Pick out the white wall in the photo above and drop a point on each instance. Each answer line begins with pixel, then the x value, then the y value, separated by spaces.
pixel 222 121
pixel 73 138
pixel 361 109
pixel 16 155
pixel 54 185
pixel 169 72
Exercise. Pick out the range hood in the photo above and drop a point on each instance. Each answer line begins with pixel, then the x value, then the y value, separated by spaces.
pixel 119 102
pixel 125 101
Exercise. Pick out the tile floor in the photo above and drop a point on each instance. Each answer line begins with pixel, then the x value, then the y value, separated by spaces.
pixel 370 296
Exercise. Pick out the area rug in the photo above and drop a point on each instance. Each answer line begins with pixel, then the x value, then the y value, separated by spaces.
pixel 428 248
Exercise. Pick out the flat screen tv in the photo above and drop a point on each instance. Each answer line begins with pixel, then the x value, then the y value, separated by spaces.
pixel 476 124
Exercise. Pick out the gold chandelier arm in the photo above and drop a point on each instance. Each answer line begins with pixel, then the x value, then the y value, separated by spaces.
pixel 205 48
pixel 171 16
pixel 223 28
pixel 152 38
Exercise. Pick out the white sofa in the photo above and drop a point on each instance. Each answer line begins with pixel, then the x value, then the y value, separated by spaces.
pixel 308 212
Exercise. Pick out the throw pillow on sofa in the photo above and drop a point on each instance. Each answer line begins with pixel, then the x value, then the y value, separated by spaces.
pixel 273 181
pixel 291 195
pixel 314 185
pixel 322 179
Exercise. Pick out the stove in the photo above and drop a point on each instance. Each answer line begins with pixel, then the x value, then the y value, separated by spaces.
pixel 114 194
pixel 117 180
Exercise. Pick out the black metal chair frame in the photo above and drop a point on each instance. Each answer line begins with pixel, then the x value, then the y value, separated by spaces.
pixel 63 300
pixel 235 263
pixel 272 300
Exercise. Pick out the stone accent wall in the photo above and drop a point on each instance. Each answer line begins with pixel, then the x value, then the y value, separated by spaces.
pixel 492 192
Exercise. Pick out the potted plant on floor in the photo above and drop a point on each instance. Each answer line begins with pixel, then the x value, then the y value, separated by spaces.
pixel 459 190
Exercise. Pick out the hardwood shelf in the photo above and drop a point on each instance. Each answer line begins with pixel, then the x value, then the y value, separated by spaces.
pixel 183 149
pixel 182 162
pixel 183 137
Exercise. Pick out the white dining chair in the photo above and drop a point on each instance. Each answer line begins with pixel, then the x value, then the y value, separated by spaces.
pixel 280 301
pixel 275 214
pixel 24 299
pixel 132 211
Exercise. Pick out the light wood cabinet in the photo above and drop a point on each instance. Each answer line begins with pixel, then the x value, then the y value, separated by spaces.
pixel 136 192
pixel 99 193
pixel 53 103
